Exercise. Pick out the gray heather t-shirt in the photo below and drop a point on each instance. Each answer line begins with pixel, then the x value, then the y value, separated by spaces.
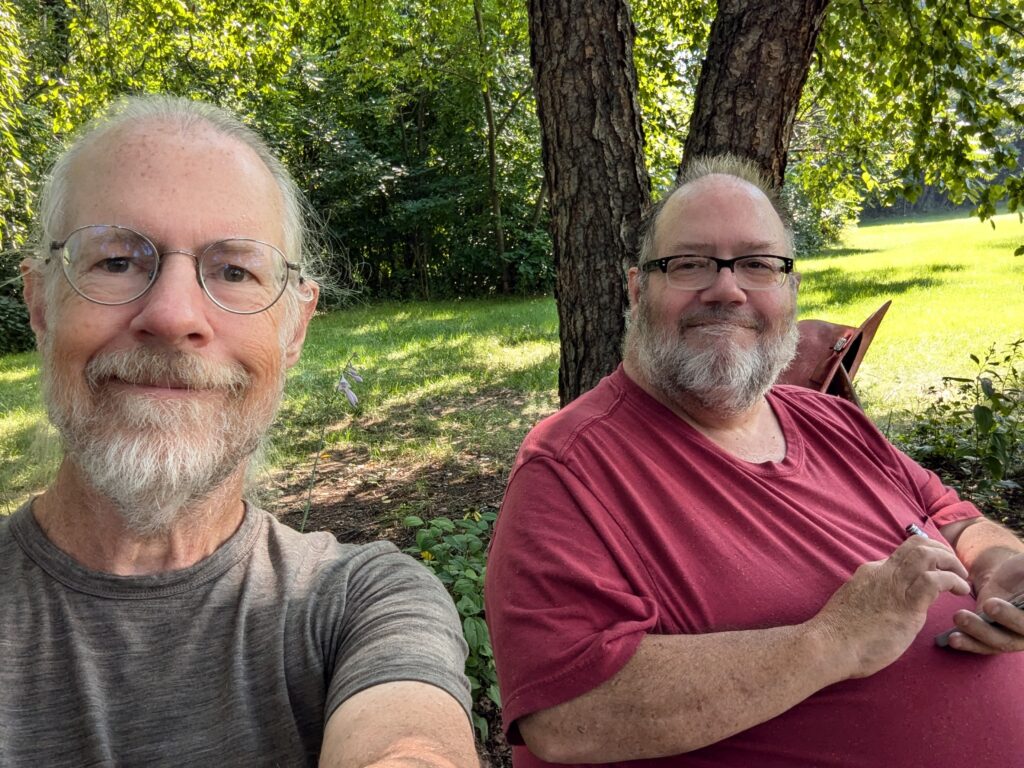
pixel 238 660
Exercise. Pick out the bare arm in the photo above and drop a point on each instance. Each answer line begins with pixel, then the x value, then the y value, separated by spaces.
pixel 994 557
pixel 682 692
pixel 399 725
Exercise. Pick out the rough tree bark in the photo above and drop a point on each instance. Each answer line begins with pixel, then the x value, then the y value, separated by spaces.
pixel 592 144
pixel 759 53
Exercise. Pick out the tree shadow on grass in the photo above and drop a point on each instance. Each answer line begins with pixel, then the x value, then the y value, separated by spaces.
pixel 835 286
pixel 837 252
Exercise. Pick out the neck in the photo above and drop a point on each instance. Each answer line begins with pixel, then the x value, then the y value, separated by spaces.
pixel 87 527
pixel 753 435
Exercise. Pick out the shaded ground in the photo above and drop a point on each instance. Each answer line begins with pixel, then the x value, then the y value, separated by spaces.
pixel 360 499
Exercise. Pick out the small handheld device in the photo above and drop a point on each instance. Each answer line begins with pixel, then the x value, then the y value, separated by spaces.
pixel 942 640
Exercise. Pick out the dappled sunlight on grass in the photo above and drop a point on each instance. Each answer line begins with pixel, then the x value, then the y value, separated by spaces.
pixel 464 381
pixel 956 287
pixel 18 375
pixel 434 372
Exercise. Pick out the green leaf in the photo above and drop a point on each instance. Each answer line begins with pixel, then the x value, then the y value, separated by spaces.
pixel 494 694
pixel 475 631
pixel 412 521
pixel 482 728
pixel 423 539
pixel 469 606
pixel 994 467
pixel 983 418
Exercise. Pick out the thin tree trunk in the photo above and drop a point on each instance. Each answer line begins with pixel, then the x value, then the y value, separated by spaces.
pixel 538 207
pixel 592 143
pixel 759 53
pixel 493 190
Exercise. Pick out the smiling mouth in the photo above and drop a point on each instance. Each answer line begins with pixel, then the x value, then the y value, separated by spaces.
pixel 167 385
pixel 716 324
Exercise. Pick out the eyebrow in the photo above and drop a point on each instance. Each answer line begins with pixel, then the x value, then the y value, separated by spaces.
pixel 750 246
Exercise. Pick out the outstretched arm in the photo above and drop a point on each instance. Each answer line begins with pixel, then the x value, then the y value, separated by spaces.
pixel 681 692
pixel 399 725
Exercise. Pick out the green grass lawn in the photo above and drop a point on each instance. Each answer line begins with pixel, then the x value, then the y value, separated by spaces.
pixel 955 288
pixel 466 380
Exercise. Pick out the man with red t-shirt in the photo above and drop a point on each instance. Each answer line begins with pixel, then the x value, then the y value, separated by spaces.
pixel 692 568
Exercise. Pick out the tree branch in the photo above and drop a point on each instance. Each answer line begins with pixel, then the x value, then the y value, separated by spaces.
pixel 993 19
pixel 510 111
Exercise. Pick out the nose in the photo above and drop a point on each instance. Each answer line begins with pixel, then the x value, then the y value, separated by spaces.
pixel 175 310
pixel 724 290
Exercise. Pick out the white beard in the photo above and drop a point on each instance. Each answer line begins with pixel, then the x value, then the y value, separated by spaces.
pixel 156 458
pixel 722 375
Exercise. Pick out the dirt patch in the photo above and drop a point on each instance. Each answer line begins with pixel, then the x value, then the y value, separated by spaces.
pixel 359 499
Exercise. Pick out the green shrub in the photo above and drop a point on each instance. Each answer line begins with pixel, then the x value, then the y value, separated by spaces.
pixel 816 226
pixel 456 551
pixel 972 435
pixel 15 333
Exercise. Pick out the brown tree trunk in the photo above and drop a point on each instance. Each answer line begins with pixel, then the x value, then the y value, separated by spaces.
pixel 592 143
pixel 758 56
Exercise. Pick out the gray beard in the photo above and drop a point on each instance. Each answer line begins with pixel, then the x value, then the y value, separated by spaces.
pixel 155 460
pixel 723 377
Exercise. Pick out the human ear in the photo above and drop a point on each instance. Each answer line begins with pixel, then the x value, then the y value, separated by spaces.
pixel 34 291
pixel 310 293
pixel 633 277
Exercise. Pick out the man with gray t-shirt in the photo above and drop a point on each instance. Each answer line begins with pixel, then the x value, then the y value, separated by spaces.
pixel 148 615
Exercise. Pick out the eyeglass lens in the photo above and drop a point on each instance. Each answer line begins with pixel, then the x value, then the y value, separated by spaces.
pixel 752 272
pixel 115 265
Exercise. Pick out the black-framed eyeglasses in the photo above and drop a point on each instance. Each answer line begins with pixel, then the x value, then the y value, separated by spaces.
pixel 695 273
pixel 110 264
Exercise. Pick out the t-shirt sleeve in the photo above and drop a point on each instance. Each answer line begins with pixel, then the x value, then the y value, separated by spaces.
pixel 397 624
pixel 941 503
pixel 565 592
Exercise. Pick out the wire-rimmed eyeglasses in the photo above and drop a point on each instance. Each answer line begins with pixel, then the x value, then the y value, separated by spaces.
pixel 110 264
pixel 695 273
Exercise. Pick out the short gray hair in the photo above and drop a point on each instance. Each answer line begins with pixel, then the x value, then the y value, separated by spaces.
pixel 186 114
pixel 726 164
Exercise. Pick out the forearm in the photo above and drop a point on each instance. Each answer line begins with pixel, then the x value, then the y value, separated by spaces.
pixel 679 693
pixel 682 692
pixel 399 725
pixel 982 547
pixel 421 753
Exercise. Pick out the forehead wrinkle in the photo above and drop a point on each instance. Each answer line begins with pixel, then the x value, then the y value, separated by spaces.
pixel 99 167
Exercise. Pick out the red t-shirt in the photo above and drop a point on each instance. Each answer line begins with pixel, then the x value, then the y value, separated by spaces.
pixel 621 520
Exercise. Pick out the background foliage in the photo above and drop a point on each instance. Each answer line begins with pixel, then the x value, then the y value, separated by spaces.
pixel 411 123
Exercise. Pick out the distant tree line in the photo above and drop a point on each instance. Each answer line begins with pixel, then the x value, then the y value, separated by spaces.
pixel 412 125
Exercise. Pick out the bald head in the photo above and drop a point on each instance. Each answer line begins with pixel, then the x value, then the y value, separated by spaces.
pixel 706 175
pixel 133 117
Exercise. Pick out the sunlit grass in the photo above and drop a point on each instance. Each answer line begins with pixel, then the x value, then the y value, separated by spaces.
pixel 469 378
pixel 955 286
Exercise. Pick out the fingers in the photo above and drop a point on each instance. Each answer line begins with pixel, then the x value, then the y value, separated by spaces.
pixel 941 555
pixel 882 608
pixel 927 568
pixel 929 584
pixel 975 635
